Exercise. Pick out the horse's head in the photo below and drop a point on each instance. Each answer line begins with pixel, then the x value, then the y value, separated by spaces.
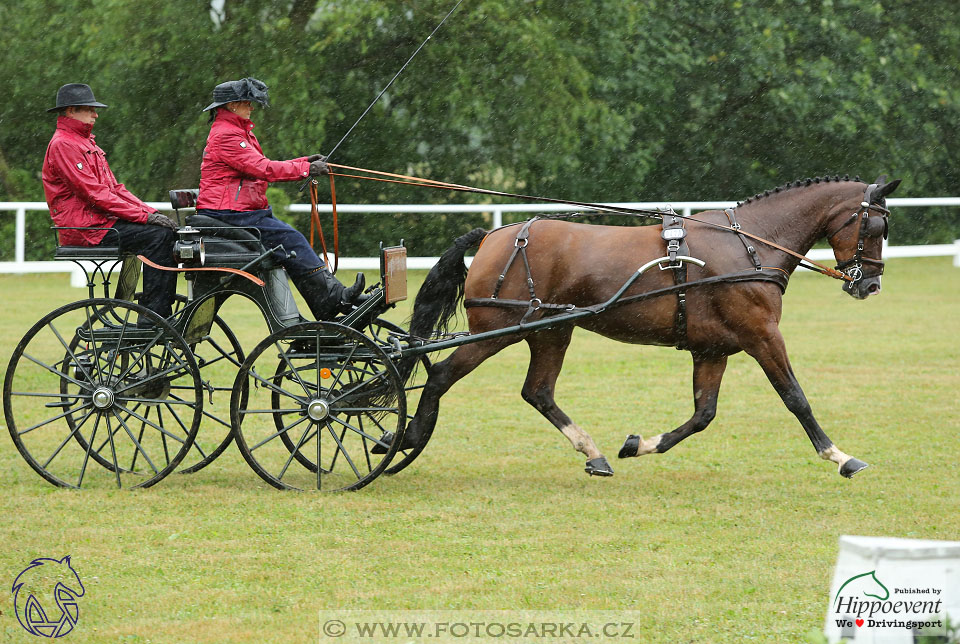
pixel 857 239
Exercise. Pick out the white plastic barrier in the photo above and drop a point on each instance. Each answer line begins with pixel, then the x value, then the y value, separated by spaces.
pixel 883 586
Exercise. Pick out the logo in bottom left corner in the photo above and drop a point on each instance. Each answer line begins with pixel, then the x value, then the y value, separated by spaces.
pixel 46 597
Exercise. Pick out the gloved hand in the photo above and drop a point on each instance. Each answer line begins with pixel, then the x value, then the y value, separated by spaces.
pixel 316 157
pixel 319 167
pixel 156 219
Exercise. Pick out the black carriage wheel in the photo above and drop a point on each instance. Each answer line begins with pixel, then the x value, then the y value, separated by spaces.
pixel 381 330
pixel 219 356
pixel 85 384
pixel 334 393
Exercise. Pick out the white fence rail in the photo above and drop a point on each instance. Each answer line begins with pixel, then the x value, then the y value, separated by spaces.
pixel 39 208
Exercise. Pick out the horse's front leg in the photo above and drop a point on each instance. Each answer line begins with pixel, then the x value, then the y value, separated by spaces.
pixel 770 351
pixel 707 374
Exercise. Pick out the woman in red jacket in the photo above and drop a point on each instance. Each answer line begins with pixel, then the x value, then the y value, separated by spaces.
pixel 234 175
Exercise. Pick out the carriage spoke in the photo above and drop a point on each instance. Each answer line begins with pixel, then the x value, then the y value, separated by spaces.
pixel 276 388
pixel 205 412
pixel 86 457
pixel 137 443
pixel 296 374
pixel 151 423
pixel 360 432
pixel 123 329
pixel 67 439
pixel 57 417
pixel 282 431
pixel 345 455
pixel 343 367
pixel 93 342
pixel 294 451
pixel 66 346
pixel 113 451
pixel 57 372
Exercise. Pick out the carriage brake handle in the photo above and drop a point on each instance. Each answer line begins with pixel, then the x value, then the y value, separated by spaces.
pixel 246 267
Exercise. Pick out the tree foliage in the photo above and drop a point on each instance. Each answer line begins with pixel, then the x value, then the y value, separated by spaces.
pixel 606 100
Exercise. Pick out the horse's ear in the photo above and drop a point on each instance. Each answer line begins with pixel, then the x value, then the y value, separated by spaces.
pixel 887 188
pixel 882 179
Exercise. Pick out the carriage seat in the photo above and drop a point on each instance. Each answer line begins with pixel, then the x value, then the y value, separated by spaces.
pixel 89 253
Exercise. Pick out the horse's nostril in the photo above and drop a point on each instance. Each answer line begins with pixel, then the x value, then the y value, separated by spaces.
pixel 874 289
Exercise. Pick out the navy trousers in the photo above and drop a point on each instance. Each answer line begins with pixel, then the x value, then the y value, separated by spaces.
pixel 156 244
pixel 274 232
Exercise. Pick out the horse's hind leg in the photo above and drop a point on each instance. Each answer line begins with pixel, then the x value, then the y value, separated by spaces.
pixel 440 378
pixel 707 374
pixel 770 351
pixel 547 349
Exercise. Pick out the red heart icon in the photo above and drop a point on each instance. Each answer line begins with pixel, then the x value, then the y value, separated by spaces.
pixel 859 622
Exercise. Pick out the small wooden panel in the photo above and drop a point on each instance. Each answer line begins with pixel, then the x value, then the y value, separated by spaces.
pixel 395 274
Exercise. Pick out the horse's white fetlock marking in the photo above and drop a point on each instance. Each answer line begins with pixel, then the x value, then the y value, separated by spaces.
pixel 649 446
pixel 835 455
pixel 581 441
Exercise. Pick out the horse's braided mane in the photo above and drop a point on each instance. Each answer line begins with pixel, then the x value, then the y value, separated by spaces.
pixel 799 183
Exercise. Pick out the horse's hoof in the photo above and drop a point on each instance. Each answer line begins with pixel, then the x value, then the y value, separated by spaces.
pixel 851 467
pixel 598 467
pixel 630 447
pixel 386 438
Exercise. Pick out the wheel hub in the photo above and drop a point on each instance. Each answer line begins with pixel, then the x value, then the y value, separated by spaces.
pixel 103 398
pixel 318 409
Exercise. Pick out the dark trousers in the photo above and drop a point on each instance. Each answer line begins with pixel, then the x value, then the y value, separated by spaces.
pixel 156 244
pixel 274 232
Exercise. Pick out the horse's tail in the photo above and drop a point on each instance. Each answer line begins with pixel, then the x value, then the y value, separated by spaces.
pixel 442 290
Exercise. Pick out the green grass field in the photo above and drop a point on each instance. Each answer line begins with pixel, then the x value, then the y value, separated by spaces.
pixel 730 537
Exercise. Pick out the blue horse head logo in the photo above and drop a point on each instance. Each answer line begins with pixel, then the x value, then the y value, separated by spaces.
pixel 45 597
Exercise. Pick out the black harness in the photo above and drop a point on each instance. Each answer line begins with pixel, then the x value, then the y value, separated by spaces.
pixel 674 233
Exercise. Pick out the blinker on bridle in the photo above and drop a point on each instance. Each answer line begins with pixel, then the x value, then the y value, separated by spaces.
pixel 869 228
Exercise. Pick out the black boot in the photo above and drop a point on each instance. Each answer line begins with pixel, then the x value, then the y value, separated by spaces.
pixel 326 296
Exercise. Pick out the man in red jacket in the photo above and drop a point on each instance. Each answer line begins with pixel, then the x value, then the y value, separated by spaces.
pixel 234 175
pixel 83 194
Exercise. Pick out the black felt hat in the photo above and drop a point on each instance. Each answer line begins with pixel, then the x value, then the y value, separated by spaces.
pixel 245 89
pixel 75 94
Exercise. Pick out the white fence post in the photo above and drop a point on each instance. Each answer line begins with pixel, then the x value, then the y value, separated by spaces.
pixel 498 219
pixel 21 235
pixel 956 254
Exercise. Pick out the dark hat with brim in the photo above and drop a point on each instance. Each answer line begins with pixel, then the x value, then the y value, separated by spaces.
pixel 245 89
pixel 75 94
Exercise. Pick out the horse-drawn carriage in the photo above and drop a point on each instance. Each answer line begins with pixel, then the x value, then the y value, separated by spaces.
pixel 107 384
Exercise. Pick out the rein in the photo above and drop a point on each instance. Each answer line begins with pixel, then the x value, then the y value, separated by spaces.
pixel 654 214
pixel 315 224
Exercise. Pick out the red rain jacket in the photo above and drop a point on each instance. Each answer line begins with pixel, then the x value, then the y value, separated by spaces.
pixel 234 173
pixel 80 188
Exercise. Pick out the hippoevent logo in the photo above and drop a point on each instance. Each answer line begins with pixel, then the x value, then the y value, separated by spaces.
pixel 863 601
pixel 45 597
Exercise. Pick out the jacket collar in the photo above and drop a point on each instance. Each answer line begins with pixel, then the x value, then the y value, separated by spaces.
pixel 74 126
pixel 229 117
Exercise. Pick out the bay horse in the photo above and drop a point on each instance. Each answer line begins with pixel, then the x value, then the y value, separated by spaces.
pixel 577 265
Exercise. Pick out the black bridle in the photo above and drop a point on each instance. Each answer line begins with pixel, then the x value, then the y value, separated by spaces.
pixel 868 228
